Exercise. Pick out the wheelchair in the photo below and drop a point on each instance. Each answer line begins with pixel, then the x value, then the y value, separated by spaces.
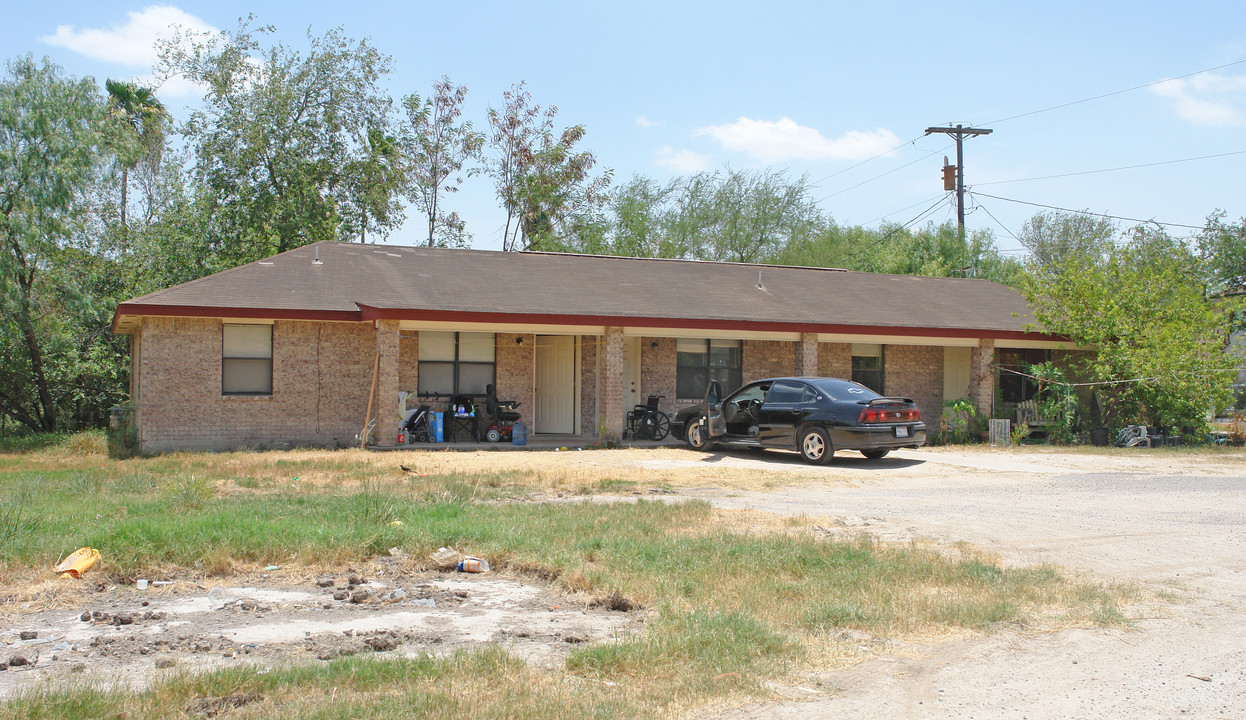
pixel 647 422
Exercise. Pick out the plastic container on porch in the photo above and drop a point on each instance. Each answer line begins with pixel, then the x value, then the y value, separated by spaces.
pixel 519 433
pixel 439 427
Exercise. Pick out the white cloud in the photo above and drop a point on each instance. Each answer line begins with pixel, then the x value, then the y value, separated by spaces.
pixel 645 122
pixel 133 44
pixel 1215 100
pixel 681 161
pixel 785 140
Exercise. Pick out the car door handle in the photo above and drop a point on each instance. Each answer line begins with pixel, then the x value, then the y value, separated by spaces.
pixel 794 412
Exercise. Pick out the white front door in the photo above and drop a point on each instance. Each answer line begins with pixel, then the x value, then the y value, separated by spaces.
pixel 631 373
pixel 555 384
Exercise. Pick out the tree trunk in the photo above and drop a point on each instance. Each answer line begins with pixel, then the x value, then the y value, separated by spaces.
pixel 47 416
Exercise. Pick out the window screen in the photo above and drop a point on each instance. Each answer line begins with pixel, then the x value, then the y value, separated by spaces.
pixel 456 363
pixel 247 360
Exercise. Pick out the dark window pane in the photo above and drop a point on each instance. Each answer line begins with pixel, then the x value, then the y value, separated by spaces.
pixel 436 378
pixel 782 392
pixel 868 371
pixel 473 377
pixel 729 378
pixel 725 356
pixel 690 382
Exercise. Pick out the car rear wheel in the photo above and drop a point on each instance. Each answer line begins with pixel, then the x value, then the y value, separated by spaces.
pixel 695 435
pixel 815 446
pixel 875 454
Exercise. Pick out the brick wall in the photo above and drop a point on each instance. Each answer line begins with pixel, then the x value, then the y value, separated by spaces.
pixel 588 385
pixel 982 380
pixel 916 371
pixel 321 378
pixel 515 366
pixel 657 372
pixel 611 386
pixel 768 358
pixel 835 360
pixel 409 364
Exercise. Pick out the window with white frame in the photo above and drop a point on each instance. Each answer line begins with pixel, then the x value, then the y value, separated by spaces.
pixel 456 363
pixel 246 359
pixel 699 361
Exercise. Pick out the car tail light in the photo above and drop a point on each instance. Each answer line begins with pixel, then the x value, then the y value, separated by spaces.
pixel 889 415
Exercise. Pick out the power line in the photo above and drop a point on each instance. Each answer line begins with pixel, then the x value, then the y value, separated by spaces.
pixel 987 210
pixel 898 228
pixel 1087 212
pixel 1123 167
pixel 897 212
pixel 1118 92
pixel 877 177
pixel 881 154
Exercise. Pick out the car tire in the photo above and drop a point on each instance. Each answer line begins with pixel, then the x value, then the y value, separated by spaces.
pixel 815 446
pixel 695 435
pixel 878 454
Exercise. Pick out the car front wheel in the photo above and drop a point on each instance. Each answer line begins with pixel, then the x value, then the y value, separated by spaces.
pixel 815 446
pixel 696 437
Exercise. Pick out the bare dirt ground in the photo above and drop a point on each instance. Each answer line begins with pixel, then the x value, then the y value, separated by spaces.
pixel 1173 523
pixel 122 635
pixel 1170 522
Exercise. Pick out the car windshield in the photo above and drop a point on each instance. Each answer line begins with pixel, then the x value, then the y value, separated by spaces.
pixel 845 390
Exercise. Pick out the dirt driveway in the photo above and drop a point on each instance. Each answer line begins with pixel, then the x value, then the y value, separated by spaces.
pixel 1168 522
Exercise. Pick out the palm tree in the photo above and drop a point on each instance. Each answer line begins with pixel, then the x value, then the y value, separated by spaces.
pixel 136 109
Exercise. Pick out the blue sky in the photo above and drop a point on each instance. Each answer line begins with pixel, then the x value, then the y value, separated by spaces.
pixel 814 88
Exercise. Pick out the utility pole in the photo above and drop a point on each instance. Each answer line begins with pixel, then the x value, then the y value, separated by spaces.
pixel 960 131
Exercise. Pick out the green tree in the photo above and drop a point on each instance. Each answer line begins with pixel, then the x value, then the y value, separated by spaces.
pixel 274 142
pixel 437 144
pixel 542 181
pixel 1159 344
pixel 50 137
pixel 142 119
pixel 373 178
pixel 1223 248
pixel 1052 237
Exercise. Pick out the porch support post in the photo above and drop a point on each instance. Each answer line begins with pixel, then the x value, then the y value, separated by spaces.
pixel 982 378
pixel 807 354
pixel 611 401
pixel 386 409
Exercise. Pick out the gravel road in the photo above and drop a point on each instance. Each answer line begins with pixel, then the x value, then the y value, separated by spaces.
pixel 1168 521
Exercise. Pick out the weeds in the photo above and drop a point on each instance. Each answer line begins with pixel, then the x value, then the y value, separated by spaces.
pixel 17 526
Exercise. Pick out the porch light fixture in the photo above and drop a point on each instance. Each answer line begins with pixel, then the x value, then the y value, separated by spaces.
pixel 654 344
pixel 519 341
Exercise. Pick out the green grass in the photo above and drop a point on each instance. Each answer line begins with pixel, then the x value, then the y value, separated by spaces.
pixel 729 611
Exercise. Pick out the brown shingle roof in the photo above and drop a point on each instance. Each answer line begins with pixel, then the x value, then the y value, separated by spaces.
pixel 361 281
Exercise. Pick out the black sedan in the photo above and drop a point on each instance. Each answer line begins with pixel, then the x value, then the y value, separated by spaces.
pixel 813 415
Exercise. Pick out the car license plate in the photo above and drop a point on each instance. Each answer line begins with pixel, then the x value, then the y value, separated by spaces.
pixel 902 432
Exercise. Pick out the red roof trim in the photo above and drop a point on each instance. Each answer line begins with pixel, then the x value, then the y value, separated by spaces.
pixel 367 312
pixel 374 313
pixel 231 312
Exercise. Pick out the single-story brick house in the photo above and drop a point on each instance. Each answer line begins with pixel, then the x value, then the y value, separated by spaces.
pixel 285 350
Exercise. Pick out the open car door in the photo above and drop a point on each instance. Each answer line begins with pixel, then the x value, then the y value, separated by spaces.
pixel 714 410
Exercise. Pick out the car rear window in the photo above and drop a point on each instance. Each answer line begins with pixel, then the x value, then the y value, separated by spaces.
pixel 845 389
